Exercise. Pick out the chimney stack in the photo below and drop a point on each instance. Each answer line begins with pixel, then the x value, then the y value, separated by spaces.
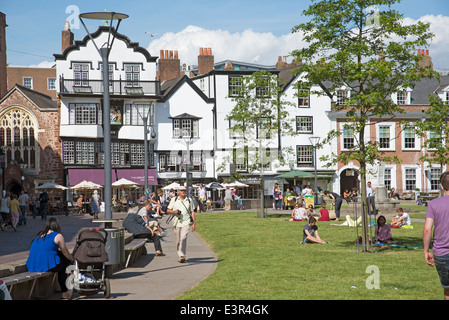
pixel 283 64
pixel 426 60
pixel 67 36
pixel 205 61
pixel 169 65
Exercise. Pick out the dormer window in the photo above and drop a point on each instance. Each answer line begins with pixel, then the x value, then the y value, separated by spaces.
pixel 401 97
pixel 342 97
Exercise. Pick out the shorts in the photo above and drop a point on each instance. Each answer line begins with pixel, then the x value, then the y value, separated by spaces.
pixel 442 266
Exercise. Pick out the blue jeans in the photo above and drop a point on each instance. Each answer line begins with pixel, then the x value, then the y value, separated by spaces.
pixel 442 266
pixel 278 204
pixel 22 218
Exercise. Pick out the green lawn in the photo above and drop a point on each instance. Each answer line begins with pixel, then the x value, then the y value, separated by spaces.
pixel 263 259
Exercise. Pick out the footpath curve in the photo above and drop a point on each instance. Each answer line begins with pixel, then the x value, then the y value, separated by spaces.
pixel 149 278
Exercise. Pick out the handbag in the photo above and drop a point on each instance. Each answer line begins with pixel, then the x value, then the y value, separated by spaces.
pixel 332 215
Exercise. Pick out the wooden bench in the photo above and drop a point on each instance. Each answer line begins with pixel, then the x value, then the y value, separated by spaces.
pixel 134 249
pixel 13 281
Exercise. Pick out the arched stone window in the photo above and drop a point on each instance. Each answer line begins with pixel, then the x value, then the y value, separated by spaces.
pixel 17 130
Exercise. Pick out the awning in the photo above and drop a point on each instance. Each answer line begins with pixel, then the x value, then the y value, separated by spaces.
pixel 296 174
pixel 97 176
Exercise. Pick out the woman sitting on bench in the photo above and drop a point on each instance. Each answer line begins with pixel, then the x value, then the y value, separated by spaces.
pixel 49 253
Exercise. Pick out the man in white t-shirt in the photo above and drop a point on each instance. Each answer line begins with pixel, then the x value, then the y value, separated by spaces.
pixel 182 208
pixel 307 191
pixel 401 219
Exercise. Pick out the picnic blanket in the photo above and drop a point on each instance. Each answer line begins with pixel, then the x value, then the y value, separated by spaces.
pixel 394 245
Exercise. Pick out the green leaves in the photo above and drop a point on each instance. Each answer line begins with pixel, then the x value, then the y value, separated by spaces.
pixel 347 50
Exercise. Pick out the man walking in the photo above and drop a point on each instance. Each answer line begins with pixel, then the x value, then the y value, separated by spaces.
pixel 182 208
pixel 23 204
pixel 437 218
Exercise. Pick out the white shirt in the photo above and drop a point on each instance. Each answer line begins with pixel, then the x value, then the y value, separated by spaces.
pixel 183 219
pixel 307 192
pixel 300 213
pixel 406 220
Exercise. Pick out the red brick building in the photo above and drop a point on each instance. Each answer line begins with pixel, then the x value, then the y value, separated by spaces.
pixel 29 138
pixel 29 126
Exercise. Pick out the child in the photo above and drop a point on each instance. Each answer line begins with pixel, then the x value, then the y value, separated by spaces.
pixel 310 233
pixel 209 203
pixel 324 214
pixel 15 211
pixel 401 219
pixel 155 228
pixel 298 213
pixel 383 231
pixel 310 212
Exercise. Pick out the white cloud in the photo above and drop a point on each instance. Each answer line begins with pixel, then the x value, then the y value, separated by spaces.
pixel 264 48
pixel 247 46
pixel 438 49
pixel 43 64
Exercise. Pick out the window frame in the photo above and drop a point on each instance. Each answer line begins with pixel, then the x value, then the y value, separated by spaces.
pixel 391 133
pixel 406 144
pixel 308 124
pixel 26 85
pixel 305 148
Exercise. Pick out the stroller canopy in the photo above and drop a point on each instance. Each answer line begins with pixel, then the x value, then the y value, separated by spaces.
pixel 90 247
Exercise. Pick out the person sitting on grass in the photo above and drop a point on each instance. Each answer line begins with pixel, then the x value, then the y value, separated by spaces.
pixel 324 213
pixel 383 231
pixel 298 213
pixel 401 219
pixel 311 212
pixel 310 233
pixel 421 202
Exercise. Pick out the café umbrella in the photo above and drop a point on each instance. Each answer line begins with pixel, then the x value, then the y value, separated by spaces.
pixel 51 186
pixel 86 185
pixel 122 183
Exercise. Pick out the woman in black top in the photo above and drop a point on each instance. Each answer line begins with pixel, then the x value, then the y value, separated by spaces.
pixel 337 200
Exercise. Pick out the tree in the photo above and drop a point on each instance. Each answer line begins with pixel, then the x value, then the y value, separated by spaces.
pixel 369 54
pixel 435 131
pixel 258 119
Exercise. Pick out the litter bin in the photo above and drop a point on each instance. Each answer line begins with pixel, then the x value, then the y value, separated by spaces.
pixel 115 245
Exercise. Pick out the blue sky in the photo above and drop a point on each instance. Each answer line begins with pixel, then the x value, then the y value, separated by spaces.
pixel 34 27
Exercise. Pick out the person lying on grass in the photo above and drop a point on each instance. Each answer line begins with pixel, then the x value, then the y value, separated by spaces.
pixel 310 233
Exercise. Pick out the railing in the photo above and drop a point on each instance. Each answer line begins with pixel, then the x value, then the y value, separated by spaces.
pixel 116 87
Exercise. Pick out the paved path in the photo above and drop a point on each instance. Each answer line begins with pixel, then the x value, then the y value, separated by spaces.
pixel 150 278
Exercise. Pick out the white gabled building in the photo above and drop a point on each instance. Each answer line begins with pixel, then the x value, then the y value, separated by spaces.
pixel 310 116
pixel 309 113
pixel 137 89
pixel 183 106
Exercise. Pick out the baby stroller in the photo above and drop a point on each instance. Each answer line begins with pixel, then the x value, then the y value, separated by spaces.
pixel 90 256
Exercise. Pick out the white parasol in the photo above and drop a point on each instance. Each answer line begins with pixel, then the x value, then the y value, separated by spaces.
pixel 51 186
pixel 124 183
pixel 86 185
pixel 173 185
